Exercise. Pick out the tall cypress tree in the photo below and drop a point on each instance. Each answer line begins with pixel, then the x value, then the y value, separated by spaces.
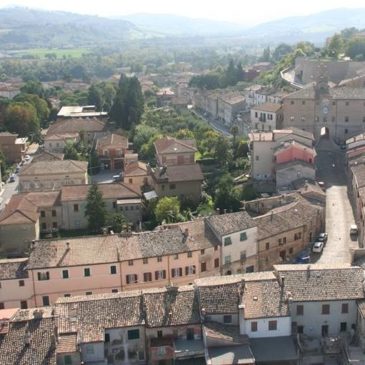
pixel 128 104
pixel 95 209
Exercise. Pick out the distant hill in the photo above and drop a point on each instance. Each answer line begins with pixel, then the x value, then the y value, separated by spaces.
pixel 315 27
pixel 169 24
pixel 24 28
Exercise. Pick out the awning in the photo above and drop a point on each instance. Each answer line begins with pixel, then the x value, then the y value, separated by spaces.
pixel 128 201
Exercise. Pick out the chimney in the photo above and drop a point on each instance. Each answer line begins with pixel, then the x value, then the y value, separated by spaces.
pixel 282 281
pixel 67 246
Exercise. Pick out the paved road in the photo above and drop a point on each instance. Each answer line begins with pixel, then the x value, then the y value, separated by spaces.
pixel 339 215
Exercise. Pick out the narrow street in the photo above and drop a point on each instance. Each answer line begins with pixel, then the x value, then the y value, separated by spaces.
pixel 339 215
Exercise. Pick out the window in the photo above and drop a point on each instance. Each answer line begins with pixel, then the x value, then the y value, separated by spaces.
pixel 346 131
pixel 43 275
pixel 227 259
pixel 113 270
pixel 45 301
pixel 227 319
pixel 65 274
pixel 2 306
pixel 145 261
pixel 227 241
pixel 202 252
pixel 176 272
pixel 243 255
pixel 87 271
pixel 89 293
pixel 44 226
pixel 68 360
pixel 243 236
pixel 346 119
pixel 256 115
pixel 23 304
pixel 43 213
pixel 190 254
pixel 254 326
pixel 114 205
pixel 147 276
pixel 114 290
pixel 280 242
pixel 343 327
pixel 21 283
pixel 216 262
pixel 172 186
pixel 107 337
pixel 67 295
pixel 325 309
pixel 161 274
pixel 131 278
pixel 284 240
pixel 325 330
pixel 190 270
pixel 292 102
pixel 176 256
pixel 130 262
pixel 345 308
pixel 54 225
pixel 76 207
pixel 159 334
pixel 267 245
pixel 300 309
pixel 215 248
pixel 300 329
pixel 347 103
pixel 291 250
pixel 303 102
pixel 133 334
pixel 257 158
pixel 203 266
pixel 363 119
pixel 273 325
pixel 250 269
pixel 159 259
pixel 54 213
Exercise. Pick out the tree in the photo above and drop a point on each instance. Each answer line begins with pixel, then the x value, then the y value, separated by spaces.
pixel 117 221
pixel 39 104
pixel 21 118
pixel 336 46
pixel 356 49
pixel 94 163
pixel 95 97
pixel 225 195
pixel 167 210
pixel 70 151
pixel 128 104
pixel 280 51
pixel 33 87
pixel 222 151
pixel 95 210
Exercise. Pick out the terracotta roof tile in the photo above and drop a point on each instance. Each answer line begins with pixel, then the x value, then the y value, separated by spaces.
pixel 173 145
pixel 179 173
pixel 225 224
pixel 89 316
pixel 322 282
pixel 13 269
pixel 42 344
pixel 112 140
pixel 56 167
pixel 76 125
pixel 171 307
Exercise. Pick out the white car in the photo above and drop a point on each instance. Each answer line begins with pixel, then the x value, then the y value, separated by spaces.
pixel 26 157
pixel 318 247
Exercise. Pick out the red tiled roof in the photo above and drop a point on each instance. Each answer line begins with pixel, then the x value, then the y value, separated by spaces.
pixel 173 145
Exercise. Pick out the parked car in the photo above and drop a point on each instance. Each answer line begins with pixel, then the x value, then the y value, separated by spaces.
pixel 322 237
pixel 17 169
pixel 12 178
pixel 26 157
pixel 353 230
pixel 117 177
pixel 318 247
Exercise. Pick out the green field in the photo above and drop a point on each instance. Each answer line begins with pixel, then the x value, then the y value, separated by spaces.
pixel 57 52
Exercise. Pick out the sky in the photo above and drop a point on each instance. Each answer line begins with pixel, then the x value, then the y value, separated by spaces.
pixel 239 11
